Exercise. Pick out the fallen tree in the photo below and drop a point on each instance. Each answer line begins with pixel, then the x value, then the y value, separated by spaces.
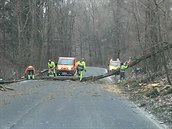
pixel 41 74
pixel 94 78
pixel 8 81
pixel 38 75
pixel 133 63
pixel 60 78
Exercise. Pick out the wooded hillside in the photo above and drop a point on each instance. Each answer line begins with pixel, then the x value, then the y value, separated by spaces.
pixel 33 31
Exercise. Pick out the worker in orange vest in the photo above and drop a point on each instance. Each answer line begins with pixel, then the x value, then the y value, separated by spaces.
pixel 30 72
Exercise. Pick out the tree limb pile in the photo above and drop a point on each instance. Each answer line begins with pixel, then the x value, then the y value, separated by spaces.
pixel 3 88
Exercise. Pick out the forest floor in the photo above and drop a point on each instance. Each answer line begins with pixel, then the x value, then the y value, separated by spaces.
pixel 154 97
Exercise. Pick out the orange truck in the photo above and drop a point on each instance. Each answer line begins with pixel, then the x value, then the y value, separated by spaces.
pixel 66 65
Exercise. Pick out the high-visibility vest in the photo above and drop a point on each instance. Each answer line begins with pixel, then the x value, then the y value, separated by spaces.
pixel 81 65
pixel 51 64
pixel 123 67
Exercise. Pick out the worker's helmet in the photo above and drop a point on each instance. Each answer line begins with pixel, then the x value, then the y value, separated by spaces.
pixel 82 59
pixel 30 67
pixel 49 60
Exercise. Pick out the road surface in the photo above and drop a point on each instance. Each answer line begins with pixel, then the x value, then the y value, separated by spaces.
pixel 68 105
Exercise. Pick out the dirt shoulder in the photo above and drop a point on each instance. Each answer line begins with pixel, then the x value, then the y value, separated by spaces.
pixel 155 98
pixel 146 97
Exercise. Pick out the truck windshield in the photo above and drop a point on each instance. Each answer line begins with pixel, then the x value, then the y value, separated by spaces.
pixel 65 61
pixel 115 63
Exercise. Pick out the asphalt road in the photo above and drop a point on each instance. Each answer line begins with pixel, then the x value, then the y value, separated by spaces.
pixel 68 105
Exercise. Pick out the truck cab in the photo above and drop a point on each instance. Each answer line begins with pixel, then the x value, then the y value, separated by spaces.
pixel 113 65
pixel 66 65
